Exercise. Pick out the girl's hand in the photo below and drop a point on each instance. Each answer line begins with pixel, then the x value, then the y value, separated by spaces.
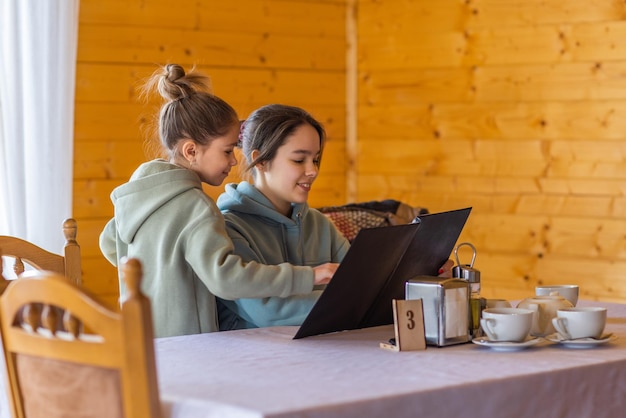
pixel 324 272
pixel 446 269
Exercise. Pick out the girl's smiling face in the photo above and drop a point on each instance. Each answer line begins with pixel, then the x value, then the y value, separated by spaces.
pixel 214 161
pixel 288 177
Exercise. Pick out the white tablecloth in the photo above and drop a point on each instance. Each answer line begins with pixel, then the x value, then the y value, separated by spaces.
pixel 264 373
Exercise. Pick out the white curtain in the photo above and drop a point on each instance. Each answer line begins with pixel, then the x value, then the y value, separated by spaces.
pixel 38 41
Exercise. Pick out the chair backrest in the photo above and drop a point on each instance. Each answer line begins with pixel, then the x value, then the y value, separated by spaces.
pixel 110 372
pixel 351 218
pixel 69 264
pixel 4 282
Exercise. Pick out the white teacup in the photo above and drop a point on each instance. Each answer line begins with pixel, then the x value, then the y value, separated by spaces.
pixel 568 291
pixel 572 323
pixel 506 324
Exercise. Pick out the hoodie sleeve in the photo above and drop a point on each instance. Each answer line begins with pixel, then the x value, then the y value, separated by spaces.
pixel 108 242
pixel 210 253
pixel 269 311
pixel 279 311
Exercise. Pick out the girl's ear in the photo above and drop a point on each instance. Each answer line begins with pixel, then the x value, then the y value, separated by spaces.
pixel 188 150
pixel 254 155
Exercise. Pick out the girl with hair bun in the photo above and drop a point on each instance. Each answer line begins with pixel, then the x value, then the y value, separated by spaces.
pixel 163 217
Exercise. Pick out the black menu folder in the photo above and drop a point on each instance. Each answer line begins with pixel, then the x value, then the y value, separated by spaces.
pixel 377 266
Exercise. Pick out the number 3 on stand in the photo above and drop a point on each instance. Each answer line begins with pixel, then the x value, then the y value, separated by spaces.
pixel 408 321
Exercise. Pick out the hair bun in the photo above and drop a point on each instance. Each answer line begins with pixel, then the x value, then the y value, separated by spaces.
pixel 171 84
pixel 173 72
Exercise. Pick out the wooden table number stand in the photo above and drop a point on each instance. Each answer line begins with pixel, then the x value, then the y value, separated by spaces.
pixel 408 321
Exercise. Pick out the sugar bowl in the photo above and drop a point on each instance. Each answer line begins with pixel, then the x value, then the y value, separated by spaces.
pixel 544 309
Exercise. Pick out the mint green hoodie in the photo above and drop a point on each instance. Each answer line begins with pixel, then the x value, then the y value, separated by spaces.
pixel 260 233
pixel 163 218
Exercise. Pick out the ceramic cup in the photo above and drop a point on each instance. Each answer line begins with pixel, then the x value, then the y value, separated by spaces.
pixel 568 291
pixel 498 303
pixel 506 324
pixel 572 323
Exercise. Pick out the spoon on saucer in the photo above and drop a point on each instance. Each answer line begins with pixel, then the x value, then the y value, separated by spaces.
pixel 600 338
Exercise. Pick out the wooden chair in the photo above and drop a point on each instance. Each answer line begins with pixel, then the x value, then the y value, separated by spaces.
pixel 68 264
pixel 110 372
pixel 4 282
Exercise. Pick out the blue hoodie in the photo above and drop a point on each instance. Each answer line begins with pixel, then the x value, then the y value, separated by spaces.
pixel 260 233
pixel 163 217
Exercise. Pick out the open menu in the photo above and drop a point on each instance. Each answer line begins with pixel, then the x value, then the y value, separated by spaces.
pixel 377 266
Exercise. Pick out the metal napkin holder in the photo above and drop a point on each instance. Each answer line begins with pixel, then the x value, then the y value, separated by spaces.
pixel 446 308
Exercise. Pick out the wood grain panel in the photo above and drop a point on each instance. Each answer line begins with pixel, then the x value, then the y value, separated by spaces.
pixel 504 13
pixel 600 187
pixel 421 18
pixel 567 81
pixel 544 235
pixel 121 83
pixel 89 234
pixel 525 204
pixel 106 282
pixel 588 120
pixel 502 45
pixel 392 184
pixel 596 170
pixel 447 49
pixel 383 17
pixel 188 47
pixel 107 160
pixel 324 17
pixel 522 83
pixel 92 198
pixel 391 120
pixel 103 121
pixel 470 158
pixel 160 13
pixel 599 41
pixel 597 238
pixel 416 87
pixel 293 17
pixel 591 42
pixel 508 233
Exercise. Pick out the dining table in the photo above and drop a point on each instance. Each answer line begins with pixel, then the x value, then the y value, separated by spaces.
pixel 264 372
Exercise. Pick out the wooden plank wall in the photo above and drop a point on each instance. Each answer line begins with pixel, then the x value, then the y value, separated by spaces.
pixel 514 107
pixel 256 51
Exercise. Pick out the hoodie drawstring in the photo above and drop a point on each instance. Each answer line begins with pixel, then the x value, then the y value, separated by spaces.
pixel 300 240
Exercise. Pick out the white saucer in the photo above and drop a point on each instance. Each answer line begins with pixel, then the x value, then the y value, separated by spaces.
pixel 506 345
pixel 581 342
